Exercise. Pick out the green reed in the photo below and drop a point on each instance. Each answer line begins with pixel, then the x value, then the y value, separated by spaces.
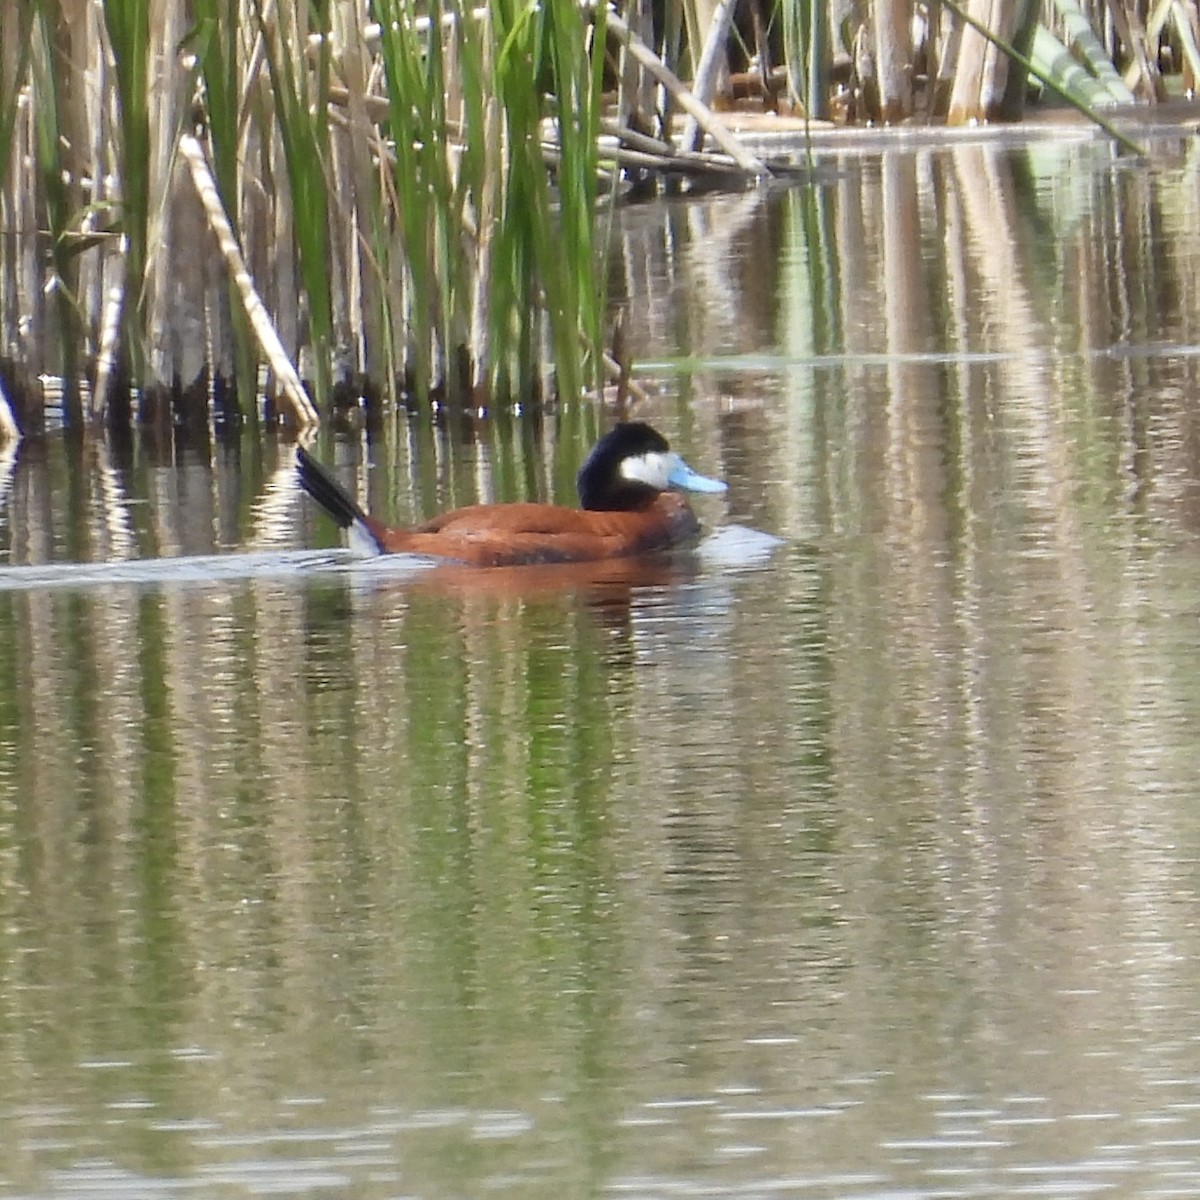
pixel 807 52
pixel 578 76
pixel 525 214
pixel 393 163
pixel 414 188
pixel 300 87
pixel 433 304
pixel 493 249
pixel 215 40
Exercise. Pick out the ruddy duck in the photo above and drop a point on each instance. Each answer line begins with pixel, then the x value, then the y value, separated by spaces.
pixel 629 505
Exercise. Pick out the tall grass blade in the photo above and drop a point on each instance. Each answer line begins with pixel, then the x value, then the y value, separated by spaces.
pixel 570 265
pixel 415 126
pixel 215 42
pixel 366 247
pixel 806 54
pixel 301 101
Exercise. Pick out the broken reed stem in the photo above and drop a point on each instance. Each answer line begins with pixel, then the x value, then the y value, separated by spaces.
pixel 614 371
pixel 703 116
pixel 676 164
pixel 256 313
pixel 635 139
pixel 640 150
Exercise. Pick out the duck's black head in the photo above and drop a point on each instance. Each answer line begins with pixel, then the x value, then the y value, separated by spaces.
pixel 630 465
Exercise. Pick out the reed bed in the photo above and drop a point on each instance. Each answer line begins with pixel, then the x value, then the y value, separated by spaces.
pixel 407 203
pixel 377 181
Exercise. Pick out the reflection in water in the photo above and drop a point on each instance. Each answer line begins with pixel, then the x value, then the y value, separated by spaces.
pixel 869 868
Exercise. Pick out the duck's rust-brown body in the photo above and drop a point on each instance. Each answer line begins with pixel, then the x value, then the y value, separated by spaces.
pixel 507 535
pixel 627 511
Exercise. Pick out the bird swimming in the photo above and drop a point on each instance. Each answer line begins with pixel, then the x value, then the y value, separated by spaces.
pixel 629 505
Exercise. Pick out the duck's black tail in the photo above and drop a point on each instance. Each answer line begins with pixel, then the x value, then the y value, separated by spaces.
pixel 336 501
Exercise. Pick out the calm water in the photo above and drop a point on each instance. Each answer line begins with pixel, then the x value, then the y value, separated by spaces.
pixel 870 868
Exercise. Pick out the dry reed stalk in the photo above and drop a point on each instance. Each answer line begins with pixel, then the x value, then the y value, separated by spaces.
pixel 708 70
pixel 636 139
pixel 1187 30
pixel 481 342
pixel 617 373
pixel 175 281
pixel 696 163
pixel 345 276
pixel 374 107
pixel 105 188
pixel 364 272
pixel 636 86
pixel 260 322
pixel 996 65
pixel 893 58
pixel 13 51
pixel 110 330
pixel 74 56
pixel 705 117
pixel 1131 31
pixel 281 271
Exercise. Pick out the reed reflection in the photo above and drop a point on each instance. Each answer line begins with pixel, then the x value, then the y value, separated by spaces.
pixel 611 878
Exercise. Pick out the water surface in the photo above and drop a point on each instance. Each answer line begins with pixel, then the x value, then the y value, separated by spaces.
pixel 868 868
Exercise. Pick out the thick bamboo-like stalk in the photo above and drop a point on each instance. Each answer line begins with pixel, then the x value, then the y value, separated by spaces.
pixel 968 90
pixel 264 330
pixel 1038 73
pixel 1088 45
pixel 1068 72
pixel 893 52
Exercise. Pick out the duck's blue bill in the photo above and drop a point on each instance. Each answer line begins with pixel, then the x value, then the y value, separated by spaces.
pixel 682 476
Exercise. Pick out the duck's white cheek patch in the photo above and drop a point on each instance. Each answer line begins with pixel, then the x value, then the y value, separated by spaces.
pixel 652 469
